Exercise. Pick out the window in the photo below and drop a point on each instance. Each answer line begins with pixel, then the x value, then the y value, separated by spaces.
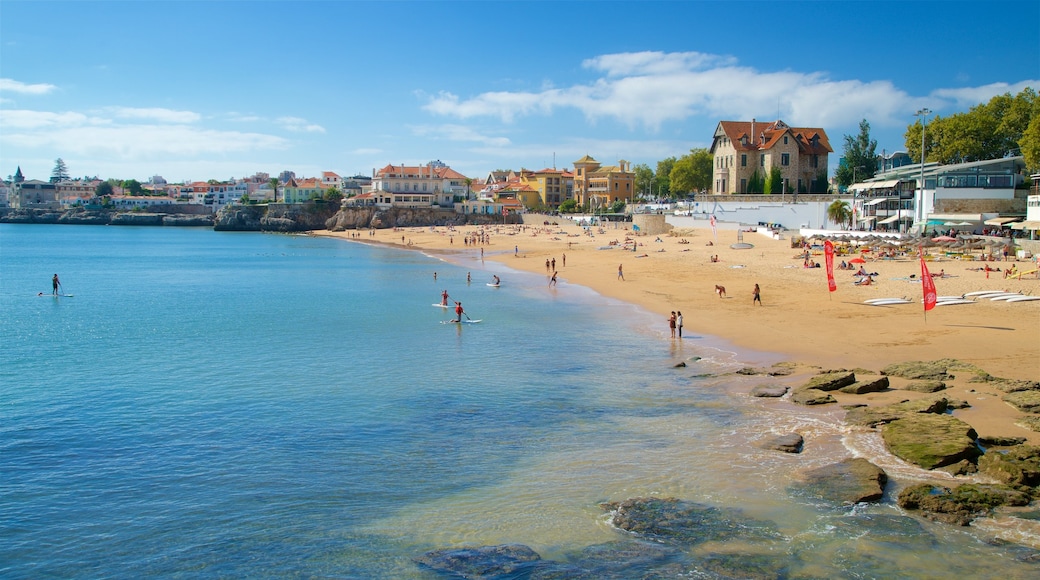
pixel 785 139
pixel 762 161
pixel 785 159
pixel 815 161
pixel 743 186
pixel 743 160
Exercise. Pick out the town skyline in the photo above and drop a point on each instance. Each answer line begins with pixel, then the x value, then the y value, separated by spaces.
pixel 199 91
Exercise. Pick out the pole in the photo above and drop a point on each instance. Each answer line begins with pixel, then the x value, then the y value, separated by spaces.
pixel 923 114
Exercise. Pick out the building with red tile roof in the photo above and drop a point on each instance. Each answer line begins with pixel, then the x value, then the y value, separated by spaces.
pixel 746 152
pixel 598 185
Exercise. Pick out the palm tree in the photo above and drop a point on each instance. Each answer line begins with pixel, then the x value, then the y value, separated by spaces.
pixel 274 186
pixel 840 213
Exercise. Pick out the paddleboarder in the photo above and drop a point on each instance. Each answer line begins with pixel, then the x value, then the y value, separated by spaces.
pixel 56 283
pixel 444 298
pixel 459 312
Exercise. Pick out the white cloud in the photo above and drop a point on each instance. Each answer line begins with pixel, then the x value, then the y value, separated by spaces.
pixel 299 125
pixel 13 86
pixel 367 151
pixel 654 88
pixel 14 119
pixel 451 132
pixel 967 97
pixel 155 114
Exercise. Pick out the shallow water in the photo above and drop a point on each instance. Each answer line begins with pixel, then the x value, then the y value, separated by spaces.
pixel 222 404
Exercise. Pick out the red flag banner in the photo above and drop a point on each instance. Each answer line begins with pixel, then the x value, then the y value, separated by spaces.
pixel 714 232
pixel 927 285
pixel 828 253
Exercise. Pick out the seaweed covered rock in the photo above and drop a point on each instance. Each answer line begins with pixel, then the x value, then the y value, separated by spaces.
pixel 874 416
pixel 481 562
pixel 850 481
pixel 687 523
pixel 830 381
pixel 812 397
pixel 932 370
pixel 928 386
pixel 961 504
pixel 931 441
pixel 868 386
pixel 1018 466
pixel 1025 401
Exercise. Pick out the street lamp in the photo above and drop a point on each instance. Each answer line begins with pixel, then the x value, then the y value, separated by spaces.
pixel 923 114
pixel 852 225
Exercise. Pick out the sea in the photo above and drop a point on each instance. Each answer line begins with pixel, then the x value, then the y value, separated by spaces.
pixel 202 404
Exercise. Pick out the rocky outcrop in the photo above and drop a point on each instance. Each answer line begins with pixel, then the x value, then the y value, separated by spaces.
pixel 867 386
pixel 847 482
pixel 136 219
pixel 812 397
pixel 961 504
pixel 481 562
pixel 350 218
pixel 831 381
pixel 686 523
pixel 1025 401
pixel 1018 467
pixel 928 386
pixel 874 416
pixel 931 441
pixel 103 217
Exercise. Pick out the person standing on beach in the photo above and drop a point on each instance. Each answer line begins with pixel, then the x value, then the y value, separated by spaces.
pixel 56 284
pixel 554 264
pixel 620 273
pixel 671 323
pixel 678 321
pixel 565 259
pixel 757 292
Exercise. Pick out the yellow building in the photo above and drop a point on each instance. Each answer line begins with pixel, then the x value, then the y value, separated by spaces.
pixel 552 185
pixel 599 186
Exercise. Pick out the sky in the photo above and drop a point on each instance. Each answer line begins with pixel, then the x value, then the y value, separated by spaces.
pixel 220 90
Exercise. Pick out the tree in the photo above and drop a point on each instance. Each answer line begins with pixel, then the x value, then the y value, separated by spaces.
pixel 103 189
pixel 1030 142
pixel 60 171
pixel 775 182
pixel 692 172
pixel 333 194
pixel 664 171
pixel 840 213
pixel 274 187
pixel 644 179
pixel 132 186
pixel 860 157
pixel 756 183
pixel 569 206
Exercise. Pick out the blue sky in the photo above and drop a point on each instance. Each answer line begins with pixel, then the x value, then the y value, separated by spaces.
pixel 214 90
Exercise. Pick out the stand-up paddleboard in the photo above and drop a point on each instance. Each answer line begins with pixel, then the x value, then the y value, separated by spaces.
pixel 873 300
pixel 56 295
pixel 982 293
pixel 953 302
pixel 887 302
pixel 1023 298
pixel 1003 296
pixel 441 306
pixel 475 321
pixel 493 285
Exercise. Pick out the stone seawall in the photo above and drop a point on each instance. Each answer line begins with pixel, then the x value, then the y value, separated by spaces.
pixel 100 217
pixel 351 218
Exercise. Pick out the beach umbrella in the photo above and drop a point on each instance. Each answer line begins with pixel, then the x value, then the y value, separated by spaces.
pixel 857 261
pixel 944 239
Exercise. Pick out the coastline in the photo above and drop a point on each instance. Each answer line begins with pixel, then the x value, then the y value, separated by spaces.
pixel 798 320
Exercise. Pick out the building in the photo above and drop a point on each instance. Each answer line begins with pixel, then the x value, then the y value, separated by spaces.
pixel 35 194
pixel 599 186
pixel 433 184
pixel 302 190
pixel 329 179
pixel 552 186
pixel 745 153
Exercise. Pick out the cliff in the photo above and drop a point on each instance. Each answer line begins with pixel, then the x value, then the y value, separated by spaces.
pixel 275 217
pixel 350 218
pixel 101 217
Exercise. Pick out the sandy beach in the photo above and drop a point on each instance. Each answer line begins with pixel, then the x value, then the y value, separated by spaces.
pixel 798 317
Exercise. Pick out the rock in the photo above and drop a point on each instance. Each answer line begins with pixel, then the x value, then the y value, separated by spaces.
pixel 998 441
pixel 931 441
pixel 1025 401
pixel 962 467
pixel 481 562
pixel 1019 466
pixel 831 381
pixel 934 370
pixel 960 505
pixel 1012 385
pixel 874 416
pixel 750 371
pixel 847 482
pixel 743 566
pixel 679 365
pixel 812 397
pixel 1031 422
pixel 871 386
pixel 769 391
pixel 136 219
pixel 790 443
pixel 623 558
pixel 925 386
pixel 686 523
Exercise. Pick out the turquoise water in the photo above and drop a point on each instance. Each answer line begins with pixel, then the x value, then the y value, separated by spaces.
pixel 213 404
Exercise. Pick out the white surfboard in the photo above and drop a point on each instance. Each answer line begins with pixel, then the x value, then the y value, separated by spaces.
pixel 873 300
pixel 954 302
pixel 888 302
pixel 1003 296
pixel 493 285
pixel 441 306
pixel 1023 298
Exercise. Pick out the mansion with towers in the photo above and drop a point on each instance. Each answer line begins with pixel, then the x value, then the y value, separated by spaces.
pixel 746 153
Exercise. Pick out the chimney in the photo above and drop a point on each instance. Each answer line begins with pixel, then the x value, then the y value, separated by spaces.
pixel 752 129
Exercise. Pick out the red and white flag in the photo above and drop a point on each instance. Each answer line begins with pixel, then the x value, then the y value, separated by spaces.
pixel 828 254
pixel 927 285
pixel 714 232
